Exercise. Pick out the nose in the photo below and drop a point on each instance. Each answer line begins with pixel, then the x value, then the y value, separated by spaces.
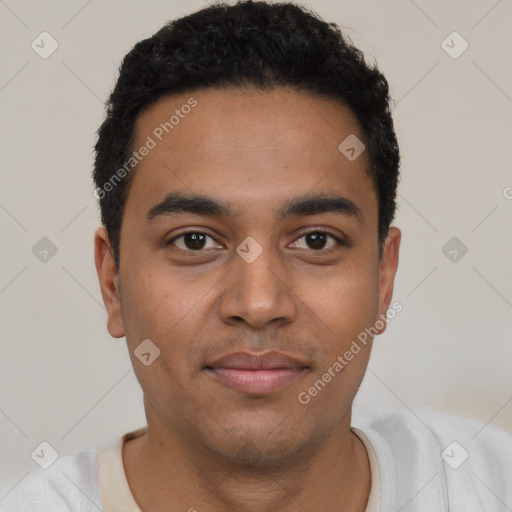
pixel 258 293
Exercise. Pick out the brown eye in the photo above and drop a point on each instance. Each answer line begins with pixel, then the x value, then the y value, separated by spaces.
pixel 316 240
pixel 319 241
pixel 191 241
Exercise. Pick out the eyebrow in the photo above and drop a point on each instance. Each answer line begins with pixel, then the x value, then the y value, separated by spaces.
pixel 176 203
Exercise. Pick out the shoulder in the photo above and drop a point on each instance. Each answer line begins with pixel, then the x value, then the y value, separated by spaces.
pixel 478 451
pixel 70 483
pixel 452 460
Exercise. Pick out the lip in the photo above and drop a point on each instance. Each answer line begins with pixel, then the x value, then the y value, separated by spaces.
pixel 256 374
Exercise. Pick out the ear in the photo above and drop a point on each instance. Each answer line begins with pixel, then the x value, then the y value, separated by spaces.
pixel 109 282
pixel 387 271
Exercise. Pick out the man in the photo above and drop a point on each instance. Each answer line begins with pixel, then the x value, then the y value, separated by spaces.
pixel 247 172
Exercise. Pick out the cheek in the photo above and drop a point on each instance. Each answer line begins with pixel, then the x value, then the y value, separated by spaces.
pixel 344 301
pixel 169 312
pixel 344 310
pixel 156 306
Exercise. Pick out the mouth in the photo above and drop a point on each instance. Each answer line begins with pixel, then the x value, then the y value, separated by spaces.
pixel 256 374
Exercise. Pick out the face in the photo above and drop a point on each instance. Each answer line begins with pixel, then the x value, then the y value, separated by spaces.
pixel 249 258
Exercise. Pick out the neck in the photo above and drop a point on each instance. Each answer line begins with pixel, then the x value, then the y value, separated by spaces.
pixel 167 471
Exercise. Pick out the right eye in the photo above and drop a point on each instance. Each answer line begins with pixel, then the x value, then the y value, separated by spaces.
pixel 191 241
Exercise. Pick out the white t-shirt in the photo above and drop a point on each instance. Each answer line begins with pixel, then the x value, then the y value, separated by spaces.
pixel 441 463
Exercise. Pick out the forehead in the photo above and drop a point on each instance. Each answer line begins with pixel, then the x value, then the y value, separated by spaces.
pixel 253 148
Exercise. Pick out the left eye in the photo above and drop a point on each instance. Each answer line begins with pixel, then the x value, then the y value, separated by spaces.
pixel 317 240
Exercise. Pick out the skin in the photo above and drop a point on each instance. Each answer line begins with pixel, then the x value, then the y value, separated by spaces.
pixel 208 446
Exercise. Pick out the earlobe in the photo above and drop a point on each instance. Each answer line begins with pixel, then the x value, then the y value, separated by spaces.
pixel 109 282
pixel 387 272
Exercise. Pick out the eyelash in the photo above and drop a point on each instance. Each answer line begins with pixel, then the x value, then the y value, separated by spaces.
pixel 339 241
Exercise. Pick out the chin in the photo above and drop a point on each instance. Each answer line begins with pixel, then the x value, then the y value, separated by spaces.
pixel 249 454
pixel 258 445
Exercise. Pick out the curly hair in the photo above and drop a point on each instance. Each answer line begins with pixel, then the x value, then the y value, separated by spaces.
pixel 247 44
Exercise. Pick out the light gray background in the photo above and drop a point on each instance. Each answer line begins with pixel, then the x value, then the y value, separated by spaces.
pixel 64 380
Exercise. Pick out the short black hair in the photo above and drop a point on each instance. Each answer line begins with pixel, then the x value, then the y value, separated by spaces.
pixel 247 44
